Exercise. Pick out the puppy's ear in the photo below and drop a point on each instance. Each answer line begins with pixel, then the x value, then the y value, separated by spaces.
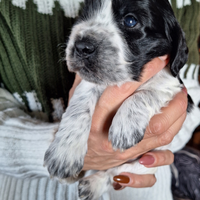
pixel 179 51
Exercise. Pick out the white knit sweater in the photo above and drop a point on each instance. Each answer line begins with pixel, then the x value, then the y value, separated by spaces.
pixel 24 140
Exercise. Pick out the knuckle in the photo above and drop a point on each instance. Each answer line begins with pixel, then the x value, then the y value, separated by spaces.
pixel 122 156
pixel 139 182
pixel 165 138
pixel 183 104
pixel 160 126
pixel 162 159
pixel 107 147
pixel 166 158
pixel 153 181
pixel 156 128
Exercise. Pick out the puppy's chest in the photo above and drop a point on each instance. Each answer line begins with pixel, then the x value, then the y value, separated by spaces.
pixel 163 81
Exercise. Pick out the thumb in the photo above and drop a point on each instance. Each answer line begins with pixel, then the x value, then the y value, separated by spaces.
pixel 114 96
pixel 108 104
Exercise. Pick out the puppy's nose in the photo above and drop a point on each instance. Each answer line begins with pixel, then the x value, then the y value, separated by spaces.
pixel 84 48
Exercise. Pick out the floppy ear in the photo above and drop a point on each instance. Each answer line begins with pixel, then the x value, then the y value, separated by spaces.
pixel 179 50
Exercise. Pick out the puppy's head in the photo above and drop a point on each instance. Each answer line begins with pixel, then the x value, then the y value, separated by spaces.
pixel 114 39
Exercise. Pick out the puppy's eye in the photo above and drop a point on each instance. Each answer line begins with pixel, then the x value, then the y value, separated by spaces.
pixel 130 21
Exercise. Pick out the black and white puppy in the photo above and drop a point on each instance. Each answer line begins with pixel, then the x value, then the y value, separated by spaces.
pixel 109 45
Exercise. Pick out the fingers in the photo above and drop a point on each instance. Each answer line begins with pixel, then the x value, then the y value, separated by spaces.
pixel 168 123
pixel 113 96
pixel 162 126
pixel 157 158
pixel 154 66
pixel 133 180
pixel 153 142
pixel 170 114
pixel 150 159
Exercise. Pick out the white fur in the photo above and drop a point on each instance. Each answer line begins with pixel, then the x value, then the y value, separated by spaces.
pixel 102 24
pixel 70 145
pixel 134 114
pixel 75 126
pixel 66 154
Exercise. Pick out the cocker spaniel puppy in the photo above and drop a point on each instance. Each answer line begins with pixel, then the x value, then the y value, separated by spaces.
pixel 109 45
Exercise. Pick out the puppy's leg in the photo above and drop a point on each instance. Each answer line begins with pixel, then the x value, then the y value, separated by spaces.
pixel 65 156
pixel 132 118
pixel 94 186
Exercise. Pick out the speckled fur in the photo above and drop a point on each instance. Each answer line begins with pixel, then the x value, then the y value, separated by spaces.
pixel 117 56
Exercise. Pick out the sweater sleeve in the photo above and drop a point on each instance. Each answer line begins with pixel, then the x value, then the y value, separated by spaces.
pixel 23 140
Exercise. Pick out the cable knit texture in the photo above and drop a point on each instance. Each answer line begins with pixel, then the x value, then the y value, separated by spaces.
pixel 47 189
pixel 32 47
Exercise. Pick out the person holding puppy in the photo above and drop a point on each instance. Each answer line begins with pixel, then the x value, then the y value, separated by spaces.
pixel 30 72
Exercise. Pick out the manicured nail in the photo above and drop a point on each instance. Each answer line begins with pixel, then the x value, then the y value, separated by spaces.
pixel 117 186
pixel 121 179
pixel 147 160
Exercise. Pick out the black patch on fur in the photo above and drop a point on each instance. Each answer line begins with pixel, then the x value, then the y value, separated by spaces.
pixel 126 142
pixel 157 33
pixel 190 104
pixel 190 101
pixel 84 190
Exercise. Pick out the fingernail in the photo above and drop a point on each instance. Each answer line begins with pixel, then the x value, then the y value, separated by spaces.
pixel 121 179
pixel 184 90
pixel 163 58
pixel 147 160
pixel 117 186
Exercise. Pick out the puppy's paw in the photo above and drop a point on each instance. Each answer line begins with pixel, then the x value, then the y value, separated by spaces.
pixel 126 130
pixel 64 158
pixel 84 190
pixel 122 139
pixel 94 186
pixel 72 179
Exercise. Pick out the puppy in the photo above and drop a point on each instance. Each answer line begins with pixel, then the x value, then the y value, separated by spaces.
pixel 109 45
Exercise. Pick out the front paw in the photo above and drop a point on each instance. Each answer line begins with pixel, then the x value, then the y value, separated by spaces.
pixel 64 158
pixel 84 190
pixel 94 186
pixel 126 131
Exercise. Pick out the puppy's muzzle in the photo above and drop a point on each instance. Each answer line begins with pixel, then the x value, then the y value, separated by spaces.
pixel 84 48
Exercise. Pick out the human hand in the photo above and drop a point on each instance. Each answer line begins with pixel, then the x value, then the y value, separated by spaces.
pixel 161 130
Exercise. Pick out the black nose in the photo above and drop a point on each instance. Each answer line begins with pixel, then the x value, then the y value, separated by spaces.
pixel 84 48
